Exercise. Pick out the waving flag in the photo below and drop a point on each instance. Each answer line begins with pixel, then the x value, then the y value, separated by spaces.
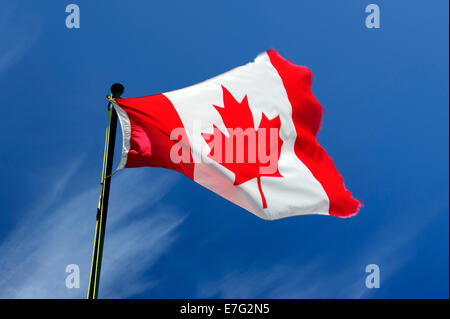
pixel 248 135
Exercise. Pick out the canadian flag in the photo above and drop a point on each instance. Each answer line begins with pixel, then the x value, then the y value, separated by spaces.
pixel 248 135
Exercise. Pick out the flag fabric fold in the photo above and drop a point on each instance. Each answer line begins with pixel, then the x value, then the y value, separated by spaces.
pixel 248 135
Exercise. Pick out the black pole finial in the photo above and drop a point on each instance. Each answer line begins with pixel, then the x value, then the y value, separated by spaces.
pixel 117 89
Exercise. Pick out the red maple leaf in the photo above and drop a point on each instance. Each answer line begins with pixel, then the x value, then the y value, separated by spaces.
pixel 244 165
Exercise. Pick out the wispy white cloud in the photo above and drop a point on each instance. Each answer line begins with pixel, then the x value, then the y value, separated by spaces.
pixel 60 230
pixel 19 31
pixel 281 280
pixel 321 277
pixel 391 247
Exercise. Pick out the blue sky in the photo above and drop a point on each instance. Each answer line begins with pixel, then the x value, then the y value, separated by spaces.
pixel 386 127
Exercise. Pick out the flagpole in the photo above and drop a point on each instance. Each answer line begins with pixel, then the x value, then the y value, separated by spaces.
pixel 102 208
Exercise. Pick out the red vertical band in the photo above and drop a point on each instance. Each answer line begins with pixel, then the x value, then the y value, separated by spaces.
pixel 152 119
pixel 307 117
